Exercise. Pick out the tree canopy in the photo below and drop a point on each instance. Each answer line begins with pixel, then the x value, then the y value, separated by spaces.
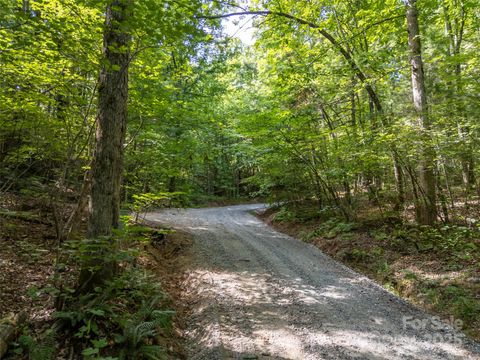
pixel 320 107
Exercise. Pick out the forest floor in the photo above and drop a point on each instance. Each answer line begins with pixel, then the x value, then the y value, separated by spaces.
pixel 30 278
pixel 28 250
pixel 255 293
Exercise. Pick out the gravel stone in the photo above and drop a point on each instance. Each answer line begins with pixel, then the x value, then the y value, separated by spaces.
pixel 262 294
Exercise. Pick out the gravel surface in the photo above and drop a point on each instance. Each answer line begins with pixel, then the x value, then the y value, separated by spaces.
pixel 260 294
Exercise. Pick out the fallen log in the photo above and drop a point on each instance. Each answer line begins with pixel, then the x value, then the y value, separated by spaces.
pixel 9 328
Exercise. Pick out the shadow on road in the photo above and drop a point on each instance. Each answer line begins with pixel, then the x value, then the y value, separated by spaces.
pixel 259 294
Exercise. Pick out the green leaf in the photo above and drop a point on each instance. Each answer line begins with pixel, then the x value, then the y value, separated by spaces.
pixel 97 312
pixel 90 351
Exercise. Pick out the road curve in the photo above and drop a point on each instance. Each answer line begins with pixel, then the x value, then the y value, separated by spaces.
pixel 260 294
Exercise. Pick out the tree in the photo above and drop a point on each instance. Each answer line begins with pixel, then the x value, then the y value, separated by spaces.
pixel 349 56
pixel 426 206
pixel 48 70
pixel 107 164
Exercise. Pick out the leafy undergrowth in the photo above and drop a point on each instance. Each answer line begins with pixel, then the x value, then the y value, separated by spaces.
pixel 127 318
pixel 436 268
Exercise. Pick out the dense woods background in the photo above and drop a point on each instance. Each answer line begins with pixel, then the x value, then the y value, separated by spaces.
pixel 360 109
pixel 321 106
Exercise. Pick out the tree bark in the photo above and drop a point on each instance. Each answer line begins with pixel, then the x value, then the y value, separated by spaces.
pixel 107 163
pixel 427 210
pixel 76 216
pixel 454 30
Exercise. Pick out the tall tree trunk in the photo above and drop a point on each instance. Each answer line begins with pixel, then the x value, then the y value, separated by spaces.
pixel 427 211
pixel 454 30
pixel 76 216
pixel 108 157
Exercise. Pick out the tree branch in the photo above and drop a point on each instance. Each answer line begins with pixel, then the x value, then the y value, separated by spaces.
pixel 346 54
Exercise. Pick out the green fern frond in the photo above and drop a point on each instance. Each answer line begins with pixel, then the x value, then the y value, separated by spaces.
pixel 151 352
pixel 43 349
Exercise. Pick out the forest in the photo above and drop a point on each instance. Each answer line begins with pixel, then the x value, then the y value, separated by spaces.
pixel 356 120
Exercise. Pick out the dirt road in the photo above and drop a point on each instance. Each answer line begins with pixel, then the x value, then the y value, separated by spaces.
pixel 260 294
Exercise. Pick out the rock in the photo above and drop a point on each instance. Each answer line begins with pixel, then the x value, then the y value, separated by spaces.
pixel 8 330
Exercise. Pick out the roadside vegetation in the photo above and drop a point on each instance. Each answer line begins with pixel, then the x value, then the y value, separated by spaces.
pixel 435 268
pixel 130 316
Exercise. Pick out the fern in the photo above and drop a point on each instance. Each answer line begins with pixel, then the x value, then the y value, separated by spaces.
pixel 135 333
pixel 143 326
pixel 43 349
pixel 152 352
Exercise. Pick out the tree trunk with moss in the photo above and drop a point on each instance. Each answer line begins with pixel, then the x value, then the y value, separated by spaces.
pixel 107 165
pixel 426 208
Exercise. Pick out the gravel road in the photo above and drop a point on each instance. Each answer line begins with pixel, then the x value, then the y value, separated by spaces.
pixel 260 294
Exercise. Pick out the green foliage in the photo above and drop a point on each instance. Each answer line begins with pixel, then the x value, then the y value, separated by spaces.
pixel 455 240
pixel 286 119
pixel 410 275
pixel 458 299
pixel 390 287
pixel 143 203
pixel 356 255
pixel 132 232
pixel 293 117
pixel 48 64
pixel 384 269
pixel 37 349
pixel 285 215
pixel 121 318
pixel 465 305
pixel 331 229
pixel 144 325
